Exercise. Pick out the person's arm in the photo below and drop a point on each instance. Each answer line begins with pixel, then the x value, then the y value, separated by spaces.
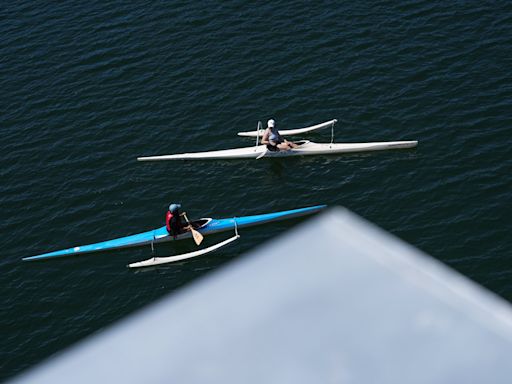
pixel 280 137
pixel 184 226
pixel 264 139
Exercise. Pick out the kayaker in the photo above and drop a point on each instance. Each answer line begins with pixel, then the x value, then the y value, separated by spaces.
pixel 173 220
pixel 273 139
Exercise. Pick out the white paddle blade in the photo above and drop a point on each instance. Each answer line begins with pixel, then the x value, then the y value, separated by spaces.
pixel 262 154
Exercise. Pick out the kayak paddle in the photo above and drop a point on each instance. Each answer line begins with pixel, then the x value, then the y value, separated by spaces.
pixel 198 238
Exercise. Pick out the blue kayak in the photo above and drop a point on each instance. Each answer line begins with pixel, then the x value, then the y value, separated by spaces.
pixel 204 226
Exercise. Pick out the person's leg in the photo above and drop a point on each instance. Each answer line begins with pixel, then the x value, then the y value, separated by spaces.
pixel 283 146
pixel 286 145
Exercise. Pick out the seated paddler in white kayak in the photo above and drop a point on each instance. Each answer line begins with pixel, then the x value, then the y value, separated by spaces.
pixel 273 140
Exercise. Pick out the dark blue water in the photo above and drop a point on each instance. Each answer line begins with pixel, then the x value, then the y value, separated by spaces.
pixel 86 87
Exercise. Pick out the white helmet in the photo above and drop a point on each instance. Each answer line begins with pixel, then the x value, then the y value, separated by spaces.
pixel 271 123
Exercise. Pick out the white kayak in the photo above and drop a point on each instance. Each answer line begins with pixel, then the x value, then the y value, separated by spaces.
pixel 305 148
pixel 290 132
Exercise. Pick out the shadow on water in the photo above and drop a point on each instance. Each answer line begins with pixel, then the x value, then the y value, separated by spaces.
pixel 277 167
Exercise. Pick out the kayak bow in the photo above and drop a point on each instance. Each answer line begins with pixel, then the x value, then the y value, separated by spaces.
pixel 204 226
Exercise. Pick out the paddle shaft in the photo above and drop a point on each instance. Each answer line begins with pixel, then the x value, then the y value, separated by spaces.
pixel 198 238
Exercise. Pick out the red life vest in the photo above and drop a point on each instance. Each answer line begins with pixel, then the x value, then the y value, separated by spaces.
pixel 168 217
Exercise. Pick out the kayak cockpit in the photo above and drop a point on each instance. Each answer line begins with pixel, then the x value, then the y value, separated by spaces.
pixel 200 223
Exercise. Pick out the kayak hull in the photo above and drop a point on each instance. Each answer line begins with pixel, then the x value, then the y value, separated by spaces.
pixel 158 235
pixel 306 148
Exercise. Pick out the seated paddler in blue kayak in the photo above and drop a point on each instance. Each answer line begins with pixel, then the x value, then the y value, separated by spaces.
pixel 175 226
pixel 173 220
pixel 273 139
